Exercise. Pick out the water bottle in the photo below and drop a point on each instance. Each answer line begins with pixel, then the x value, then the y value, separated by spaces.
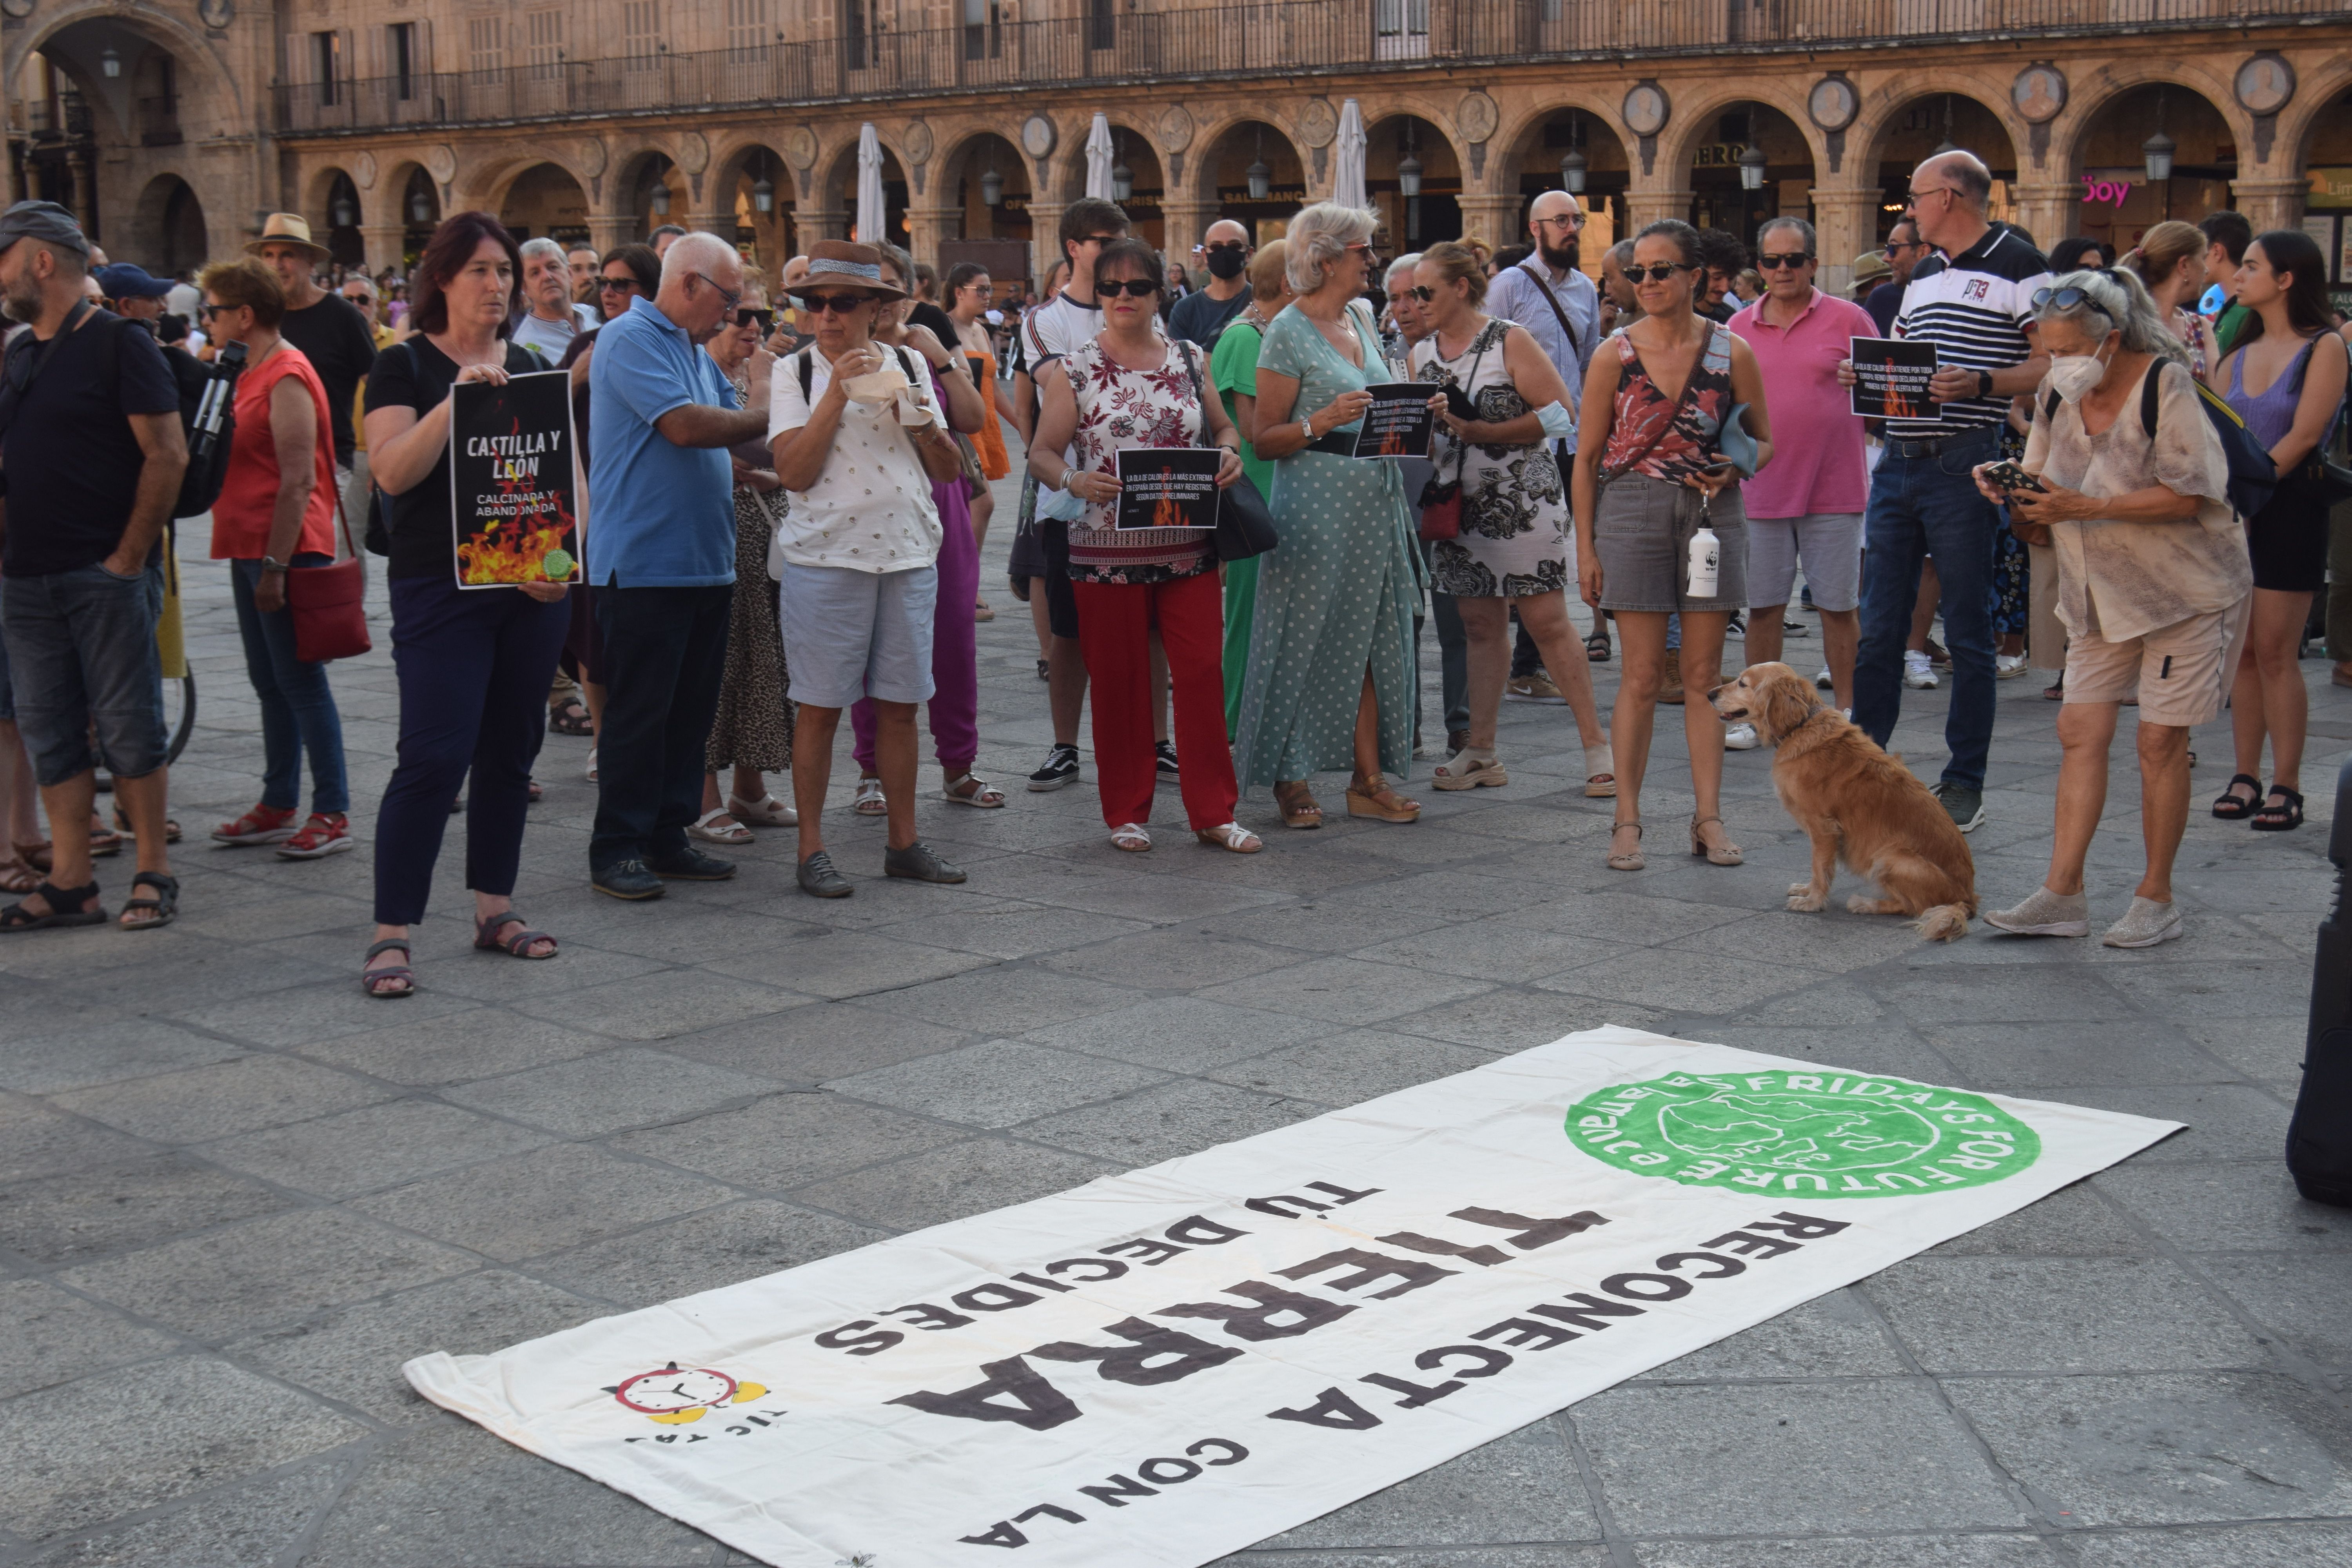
pixel 1705 563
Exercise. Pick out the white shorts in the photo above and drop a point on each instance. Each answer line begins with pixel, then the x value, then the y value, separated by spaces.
pixel 850 634
pixel 1828 543
pixel 2175 671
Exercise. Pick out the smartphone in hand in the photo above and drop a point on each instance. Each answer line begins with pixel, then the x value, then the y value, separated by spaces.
pixel 2008 476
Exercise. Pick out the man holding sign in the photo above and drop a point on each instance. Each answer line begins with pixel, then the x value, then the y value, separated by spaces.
pixel 1129 402
pixel 1975 309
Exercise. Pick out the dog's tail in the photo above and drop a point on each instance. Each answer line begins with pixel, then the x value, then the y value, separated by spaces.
pixel 1944 923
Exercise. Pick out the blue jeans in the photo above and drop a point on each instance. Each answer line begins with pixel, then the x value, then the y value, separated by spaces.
pixel 1918 507
pixel 81 653
pixel 298 706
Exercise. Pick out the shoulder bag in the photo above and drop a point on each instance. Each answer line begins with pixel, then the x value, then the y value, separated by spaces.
pixel 1441 504
pixel 1244 522
pixel 327 603
pixel 1567 327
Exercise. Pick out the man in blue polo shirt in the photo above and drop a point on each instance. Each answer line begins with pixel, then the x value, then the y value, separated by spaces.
pixel 661 557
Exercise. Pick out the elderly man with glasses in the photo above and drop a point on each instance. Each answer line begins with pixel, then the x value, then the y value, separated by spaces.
pixel 1806 505
pixel 661 559
pixel 1976 308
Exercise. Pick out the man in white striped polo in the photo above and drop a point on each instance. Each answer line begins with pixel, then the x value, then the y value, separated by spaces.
pixel 1974 302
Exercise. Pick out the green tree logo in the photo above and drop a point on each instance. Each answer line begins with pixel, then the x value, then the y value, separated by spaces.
pixel 1802 1133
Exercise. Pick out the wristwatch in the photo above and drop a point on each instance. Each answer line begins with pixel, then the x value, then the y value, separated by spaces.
pixel 1984 384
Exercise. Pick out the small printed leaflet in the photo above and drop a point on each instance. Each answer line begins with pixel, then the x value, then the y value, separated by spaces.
pixel 1168 487
pixel 1399 424
pixel 512 487
pixel 1891 377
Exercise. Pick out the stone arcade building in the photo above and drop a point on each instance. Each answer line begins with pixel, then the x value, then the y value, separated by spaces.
pixel 173 124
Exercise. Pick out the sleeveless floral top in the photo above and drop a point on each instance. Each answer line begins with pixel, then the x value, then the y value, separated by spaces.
pixel 1119 410
pixel 1691 425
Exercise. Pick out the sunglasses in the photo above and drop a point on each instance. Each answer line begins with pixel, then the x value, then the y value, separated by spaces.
pixel 835 304
pixel 623 283
pixel 1101 238
pixel 1422 294
pixel 1136 288
pixel 1225 245
pixel 2067 298
pixel 747 316
pixel 1794 261
pixel 1658 271
pixel 1895 245
pixel 211 311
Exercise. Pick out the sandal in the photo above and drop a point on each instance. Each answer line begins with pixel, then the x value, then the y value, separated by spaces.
pixel 1470 770
pixel 2279 818
pixel 1232 836
pixel 1297 806
pixel 515 946
pixel 706 827
pixel 164 902
pixel 1131 836
pixel 1727 854
pixel 401 972
pixel 570 717
pixel 1375 799
pixel 1045 671
pixel 765 812
pixel 984 796
pixel 2231 807
pixel 591 770
pixel 171 829
pixel 65 909
pixel 17 877
pixel 869 800
pixel 1631 860
pixel 980 611
pixel 1596 647
pixel 1599 772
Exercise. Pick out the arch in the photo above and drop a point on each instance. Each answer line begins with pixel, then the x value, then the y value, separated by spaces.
pixel 1226 152
pixel 2319 110
pixel 167 228
pixel 1435 213
pixel 959 183
pixel 1705 153
pixel 839 188
pixel 159 27
pixel 1905 128
pixel 1531 165
pixel 2098 92
pixel 648 190
pixel 1134 148
pixel 544 201
pixel 1699 110
pixel 746 175
pixel 419 201
pixel 331 202
pixel 2105 147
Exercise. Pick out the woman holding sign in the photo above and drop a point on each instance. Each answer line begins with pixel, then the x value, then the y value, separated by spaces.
pixel 474 663
pixel 1133 390
pixel 1650 474
pixel 1506 406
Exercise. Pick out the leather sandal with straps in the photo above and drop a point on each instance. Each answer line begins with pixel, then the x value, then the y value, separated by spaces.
pixel 401 972
pixel 2231 807
pixel 1727 854
pixel 1232 836
pixel 982 794
pixel 1297 804
pixel 1131 836
pixel 1374 798
pixel 1601 772
pixel 514 944
pixel 869 800
pixel 1628 860
pixel 2278 815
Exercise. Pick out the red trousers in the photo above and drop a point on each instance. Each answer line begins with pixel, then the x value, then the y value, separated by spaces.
pixel 1115 625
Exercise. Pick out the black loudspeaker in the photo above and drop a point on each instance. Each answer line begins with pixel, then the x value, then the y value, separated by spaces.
pixel 2319 1139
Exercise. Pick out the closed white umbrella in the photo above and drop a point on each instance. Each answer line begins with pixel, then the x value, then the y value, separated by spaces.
pixel 870 209
pixel 1348 174
pixel 1099 158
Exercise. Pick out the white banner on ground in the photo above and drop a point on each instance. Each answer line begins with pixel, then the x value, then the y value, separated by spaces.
pixel 1163 1367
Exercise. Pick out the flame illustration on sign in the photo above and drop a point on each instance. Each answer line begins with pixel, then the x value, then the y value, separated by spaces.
pixel 1167 511
pixel 515 548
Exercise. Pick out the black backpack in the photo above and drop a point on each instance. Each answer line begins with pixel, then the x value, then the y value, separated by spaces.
pixel 2252 476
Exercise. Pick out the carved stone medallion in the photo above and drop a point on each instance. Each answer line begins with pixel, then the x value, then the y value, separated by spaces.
pixel 694 152
pixel 799 147
pixel 1175 128
pixel 441 163
pixel 591 156
pixel 1645 109
pixel 2264 84
pixel 2040 93
pixel 1319 122
pixel 1476 116
pixel 1833 103
pixel 1038 136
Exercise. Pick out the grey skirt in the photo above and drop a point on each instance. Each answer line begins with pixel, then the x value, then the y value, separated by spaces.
pixel 1642 532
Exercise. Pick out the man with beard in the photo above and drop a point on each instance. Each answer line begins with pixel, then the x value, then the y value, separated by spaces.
pixel 1559 305
pixel 1200 316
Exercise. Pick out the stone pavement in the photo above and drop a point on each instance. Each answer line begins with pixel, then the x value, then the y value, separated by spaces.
pixel 235 1193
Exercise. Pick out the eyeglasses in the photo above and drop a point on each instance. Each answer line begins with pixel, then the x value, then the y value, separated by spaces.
pixel 1136 288
pixel 729 297
pixel 1572 222
pixel 1792 260
pixel 1658 271
pixel 834 304
pixel 748 315
pixel 606 284
pixel 1912 198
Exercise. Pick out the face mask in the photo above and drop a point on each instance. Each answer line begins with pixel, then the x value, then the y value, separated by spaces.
pixel 1226 263
pixel 2077 374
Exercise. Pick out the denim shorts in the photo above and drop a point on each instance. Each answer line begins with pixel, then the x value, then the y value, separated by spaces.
pixel 851 633
pixel 83 642
pixel 1642 532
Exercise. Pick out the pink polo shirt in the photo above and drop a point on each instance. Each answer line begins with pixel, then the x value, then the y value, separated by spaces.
pixel 1817 464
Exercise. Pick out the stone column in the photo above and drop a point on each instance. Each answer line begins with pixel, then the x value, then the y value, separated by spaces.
pixel 1846 225
pixel 720 224
pixel 1044 238
pixel 83 195
pixel 2046 211
pixel 1488 216
pixel 384 243
pixel 1643 207
pixel 1181 224
pixel 814 225
pixel 608 233
pixel 926 227
pixel 2271 203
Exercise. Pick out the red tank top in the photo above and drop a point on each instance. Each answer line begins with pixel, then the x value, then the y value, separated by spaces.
pixel 249 489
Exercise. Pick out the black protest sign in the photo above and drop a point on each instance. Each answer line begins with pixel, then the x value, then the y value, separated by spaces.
pixel 512 501
pixel 1169 487
pixel 1891 377
pixel 1399 424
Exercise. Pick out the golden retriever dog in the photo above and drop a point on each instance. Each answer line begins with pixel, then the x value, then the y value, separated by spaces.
pixel 1858 804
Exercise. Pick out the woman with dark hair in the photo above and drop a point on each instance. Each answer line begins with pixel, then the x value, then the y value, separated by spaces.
pixel 1649 471
pixel 2077 252
pixel 2289 349
pixel 473 664
pixel 1132 387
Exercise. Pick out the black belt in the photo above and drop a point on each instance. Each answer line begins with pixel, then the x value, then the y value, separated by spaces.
pixel 1338 443
pixel 1935 447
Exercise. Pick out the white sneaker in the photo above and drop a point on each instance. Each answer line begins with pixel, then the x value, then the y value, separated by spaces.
pixel 1740 737
pixel 592 764
pixel 1917 673
pixel 1825 679
pixel 2008 666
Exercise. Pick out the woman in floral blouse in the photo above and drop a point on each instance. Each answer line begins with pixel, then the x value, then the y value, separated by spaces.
pixel 1130 388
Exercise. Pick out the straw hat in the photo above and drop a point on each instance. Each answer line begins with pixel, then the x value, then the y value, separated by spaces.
pixel 287 228
pixel 841 261
pixel 1871 265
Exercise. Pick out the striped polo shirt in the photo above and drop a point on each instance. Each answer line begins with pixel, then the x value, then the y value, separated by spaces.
pixel 1975 309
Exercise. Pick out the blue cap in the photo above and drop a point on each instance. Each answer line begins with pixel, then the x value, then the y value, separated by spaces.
pixel 123 282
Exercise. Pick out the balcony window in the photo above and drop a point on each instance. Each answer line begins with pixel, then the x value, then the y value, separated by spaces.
pixel 1400 29
pixel 400 40
pixel 983 30
pixel 327 63
pixel 1102 24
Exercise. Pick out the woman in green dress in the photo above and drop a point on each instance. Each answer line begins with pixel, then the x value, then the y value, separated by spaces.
pixel 1234 368
pixel 1331 671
